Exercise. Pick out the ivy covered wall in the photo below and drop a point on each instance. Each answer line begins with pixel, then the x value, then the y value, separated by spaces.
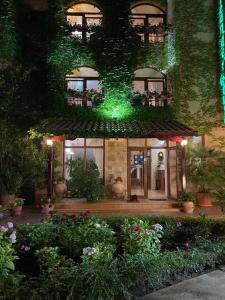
pixel 188 56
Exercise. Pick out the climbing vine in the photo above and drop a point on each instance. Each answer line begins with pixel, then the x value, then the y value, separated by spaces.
pixel 8 40
pixel 194 78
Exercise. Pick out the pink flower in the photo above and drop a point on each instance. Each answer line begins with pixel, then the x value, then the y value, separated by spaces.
pixel 10 225
pixel 3 229
pixel 187 244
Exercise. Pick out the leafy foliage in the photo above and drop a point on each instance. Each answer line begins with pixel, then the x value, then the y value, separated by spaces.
pixel 21 163
pixel 85 180
pixel 205 167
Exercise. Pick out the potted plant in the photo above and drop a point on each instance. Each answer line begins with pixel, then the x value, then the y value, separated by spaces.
pixel 60 188
pixel 16 207
pixel 205 170
pixel 48 204
pixel 220 196
pixel 188 200
pixel 118 188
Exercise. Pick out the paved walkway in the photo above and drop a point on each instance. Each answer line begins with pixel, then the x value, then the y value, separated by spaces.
pixel 210 286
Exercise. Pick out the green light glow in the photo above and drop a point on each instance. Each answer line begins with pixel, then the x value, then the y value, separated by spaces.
pixel 116 106
pixel 222 51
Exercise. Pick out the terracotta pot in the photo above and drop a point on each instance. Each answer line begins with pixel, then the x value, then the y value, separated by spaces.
pixel 16 211
pixel 60 189
pixel 47 209
pixel 203 199
pixel 188 207
pixel 5 199
pixel 118 188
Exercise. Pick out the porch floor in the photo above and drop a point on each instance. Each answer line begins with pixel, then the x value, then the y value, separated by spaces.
pixel 117 206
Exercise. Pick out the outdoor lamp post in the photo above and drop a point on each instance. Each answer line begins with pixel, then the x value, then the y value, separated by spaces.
pixel 183 144
pixel 49 143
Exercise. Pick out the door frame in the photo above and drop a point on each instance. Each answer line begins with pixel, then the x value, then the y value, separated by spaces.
pixel 129 150
pixel 145 150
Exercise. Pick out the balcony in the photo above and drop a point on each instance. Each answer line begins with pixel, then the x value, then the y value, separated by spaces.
pixel 94 98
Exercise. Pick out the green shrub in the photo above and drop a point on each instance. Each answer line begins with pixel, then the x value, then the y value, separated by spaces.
pixel 85 180
pixel 139 237
pixel 81 257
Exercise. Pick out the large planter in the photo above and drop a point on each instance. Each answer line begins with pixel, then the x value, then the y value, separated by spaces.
pixel 203 199
pixel 60 189
pixel 16 211
pixel 5 199
pixel 118 188
pixel 188 207
pixel 47 209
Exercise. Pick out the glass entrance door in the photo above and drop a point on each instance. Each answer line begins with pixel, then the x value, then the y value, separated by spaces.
pixel 136 173
pixel 157 174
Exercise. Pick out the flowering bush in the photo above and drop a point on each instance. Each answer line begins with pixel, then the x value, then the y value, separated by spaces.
pixel 140 237
pixel 100 253
pixel 50 259
pixel 87 232
pixel 7 254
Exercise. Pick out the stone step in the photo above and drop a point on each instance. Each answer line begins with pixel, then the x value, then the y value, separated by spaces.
pixel 72 206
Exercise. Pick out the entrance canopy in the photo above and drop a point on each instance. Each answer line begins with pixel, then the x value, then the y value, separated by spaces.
pixel 119 129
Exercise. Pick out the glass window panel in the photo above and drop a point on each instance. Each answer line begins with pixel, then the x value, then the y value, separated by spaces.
pixel 96 155
pixel 155 86
pixel 157 188
pixel 93 21
pixel 139 86
pixel 156 143
pixel 75 85
pixel 79 142
pixel 137 21
pixel 136 142
pixel 155 21
pixel 146 9
pixel 137 172
pixel 93 84
pixel 94 142
pixel 74 20
pixel 197 140
pixel 72 153
pixel 84 7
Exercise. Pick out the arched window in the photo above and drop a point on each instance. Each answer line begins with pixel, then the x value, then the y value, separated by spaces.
pixel 149 22
pixel 150 84
pixel 82 18
pixel 83 87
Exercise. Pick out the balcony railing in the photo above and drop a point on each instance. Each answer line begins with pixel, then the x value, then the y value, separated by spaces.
pixel 94 98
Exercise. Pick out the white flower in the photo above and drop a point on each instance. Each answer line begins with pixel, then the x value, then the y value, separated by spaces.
pixel 10 225
pixel 97 225
pixel 89 251
pixel 12 237
pixel 157 226
pixel 112 231
pixel 149 231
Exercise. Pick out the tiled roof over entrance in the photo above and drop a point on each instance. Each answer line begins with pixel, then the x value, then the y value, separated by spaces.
pixel 120 129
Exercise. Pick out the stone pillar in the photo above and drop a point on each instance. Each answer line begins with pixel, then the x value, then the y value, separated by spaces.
pixel 115 161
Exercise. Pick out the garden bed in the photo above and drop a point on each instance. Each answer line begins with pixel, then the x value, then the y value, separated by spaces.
pixel 85 257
